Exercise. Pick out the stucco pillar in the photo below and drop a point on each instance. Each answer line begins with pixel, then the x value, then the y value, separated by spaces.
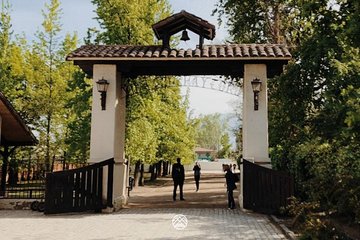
pixel 255 122
pixel 108 129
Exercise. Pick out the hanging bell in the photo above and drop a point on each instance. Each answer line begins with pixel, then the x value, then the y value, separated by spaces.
pixel 184 36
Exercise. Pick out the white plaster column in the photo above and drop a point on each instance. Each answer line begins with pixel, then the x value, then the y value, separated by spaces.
pixel 255 122
pixel 108 129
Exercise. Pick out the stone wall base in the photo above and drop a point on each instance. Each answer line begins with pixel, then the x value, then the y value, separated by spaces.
pixel 118 203
pixel 15 204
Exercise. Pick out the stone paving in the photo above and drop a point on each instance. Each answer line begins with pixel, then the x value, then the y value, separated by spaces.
pixel 205 223
pixel 150 215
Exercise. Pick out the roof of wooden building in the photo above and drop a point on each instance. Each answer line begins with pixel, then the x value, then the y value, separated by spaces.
pixel 14 131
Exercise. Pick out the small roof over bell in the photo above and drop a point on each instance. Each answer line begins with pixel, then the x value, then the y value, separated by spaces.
pixel 182 21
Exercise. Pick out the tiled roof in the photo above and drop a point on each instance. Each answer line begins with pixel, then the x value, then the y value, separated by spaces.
pixel 127 52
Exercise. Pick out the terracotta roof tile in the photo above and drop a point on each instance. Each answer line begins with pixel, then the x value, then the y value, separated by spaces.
pixel 237 51
pixel 245 51
pixel 229 51
pixel 208 51
pixel 173 53
pixel 197 52
pixel 205 52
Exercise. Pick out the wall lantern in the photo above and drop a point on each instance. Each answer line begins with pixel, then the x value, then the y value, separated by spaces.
pixel 256 86
pixel 102 86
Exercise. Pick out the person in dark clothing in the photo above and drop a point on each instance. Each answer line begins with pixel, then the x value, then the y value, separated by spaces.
pixel 230 185
pixel 196 170
pixel 178 176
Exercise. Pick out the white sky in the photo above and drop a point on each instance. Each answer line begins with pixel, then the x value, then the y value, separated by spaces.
pixel 78 16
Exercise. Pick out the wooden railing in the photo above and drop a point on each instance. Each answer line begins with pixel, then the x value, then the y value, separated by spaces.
pixel 79 189
pixel 265 190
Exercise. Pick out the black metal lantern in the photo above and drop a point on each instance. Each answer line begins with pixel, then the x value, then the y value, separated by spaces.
pixel 256 86
pixel 102 86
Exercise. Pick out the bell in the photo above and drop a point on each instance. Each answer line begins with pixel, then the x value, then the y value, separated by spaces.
pixel 184 36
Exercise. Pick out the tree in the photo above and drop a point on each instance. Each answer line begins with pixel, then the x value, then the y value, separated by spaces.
pixel 45 76
pixel 157 128
pixel 312 119
pixel 255 21
pixel 77 113
pixel 225 150
pixel 6 83
pixel 210 130
pixel 10 83
pixel 125 22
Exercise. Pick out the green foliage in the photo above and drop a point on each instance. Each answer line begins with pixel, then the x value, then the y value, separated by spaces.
pixel 314 106
pixel 128 22
pixel 78 115
pixel 52 95
pixel 9 84
pixel 142 141
pixel 157 127
pixel 163 116
pixel 210 129
pixel 255 21
pixel 46 85
pixel 225 150
pixel 311 223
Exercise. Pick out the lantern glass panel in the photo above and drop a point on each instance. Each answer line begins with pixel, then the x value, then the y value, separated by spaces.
pixel 102 85
pixel 256 85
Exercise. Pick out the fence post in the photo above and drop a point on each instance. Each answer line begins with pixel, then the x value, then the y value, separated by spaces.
pixel 110 184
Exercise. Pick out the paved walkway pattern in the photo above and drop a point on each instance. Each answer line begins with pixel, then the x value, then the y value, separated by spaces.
pixel 205 223
pixel 151 214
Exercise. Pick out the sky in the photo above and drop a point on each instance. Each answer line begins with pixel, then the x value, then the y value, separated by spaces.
pixel 78 16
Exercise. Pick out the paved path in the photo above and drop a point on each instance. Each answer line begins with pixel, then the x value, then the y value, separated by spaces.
pixel 212 193
pixel 150 215
pixel 133 223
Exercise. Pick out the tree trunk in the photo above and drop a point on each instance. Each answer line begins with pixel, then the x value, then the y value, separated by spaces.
pixel 12 175
pixel 4 168
pixel 277 25
pixel 47 157
pixel 164 170
pixel 159 168
pixel 141 178
pixel 152 172
pixel 137 174
pixel 3 174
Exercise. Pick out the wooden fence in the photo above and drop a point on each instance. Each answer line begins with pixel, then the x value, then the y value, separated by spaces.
pixel 265 190
pixel 79 189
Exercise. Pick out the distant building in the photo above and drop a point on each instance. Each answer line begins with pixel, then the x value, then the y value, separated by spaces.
pixel 205 154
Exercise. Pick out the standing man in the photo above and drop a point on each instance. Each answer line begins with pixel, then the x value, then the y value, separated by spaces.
pixel 178 176
pixel 230 186
pixel 196 170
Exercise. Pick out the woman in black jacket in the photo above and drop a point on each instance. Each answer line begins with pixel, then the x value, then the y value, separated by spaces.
pixel 196 170
pixel 230 185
